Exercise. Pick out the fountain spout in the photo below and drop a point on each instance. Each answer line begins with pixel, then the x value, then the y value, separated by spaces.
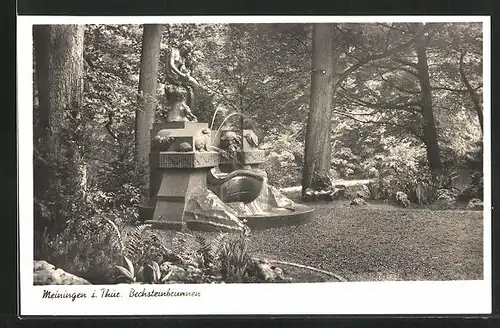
pixel 222 124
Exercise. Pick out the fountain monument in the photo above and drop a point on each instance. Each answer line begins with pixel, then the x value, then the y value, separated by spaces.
pixel 194 184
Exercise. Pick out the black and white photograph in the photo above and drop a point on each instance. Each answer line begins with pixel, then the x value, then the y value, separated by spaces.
pixel 254 165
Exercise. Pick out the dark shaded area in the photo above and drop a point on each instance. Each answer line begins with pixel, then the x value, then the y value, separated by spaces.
pixel 131 7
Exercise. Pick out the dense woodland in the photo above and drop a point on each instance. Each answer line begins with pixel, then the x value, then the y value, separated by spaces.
pixel 399 103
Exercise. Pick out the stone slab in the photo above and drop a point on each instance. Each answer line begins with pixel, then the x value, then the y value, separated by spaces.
pixel 188 126
pixel 168 160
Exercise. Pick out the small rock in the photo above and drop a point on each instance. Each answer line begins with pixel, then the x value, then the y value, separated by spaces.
pixel 45 273
pixel 402 199
pixel 264 270
pixel 358 202
pixel 475 204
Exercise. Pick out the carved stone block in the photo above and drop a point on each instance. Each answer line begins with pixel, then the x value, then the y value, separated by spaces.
pixel 167 160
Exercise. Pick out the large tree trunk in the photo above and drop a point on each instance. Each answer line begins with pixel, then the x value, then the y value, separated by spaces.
pixel 430 132
pixel 317 147
pixel 148 83
pixel 59 78
pixel 474 97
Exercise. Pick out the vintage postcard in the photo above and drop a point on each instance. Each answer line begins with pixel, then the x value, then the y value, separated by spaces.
pixel 194 165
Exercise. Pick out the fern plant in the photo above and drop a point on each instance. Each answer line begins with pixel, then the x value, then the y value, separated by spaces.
pixel 199 250
pixel 142 246
pixel 133 240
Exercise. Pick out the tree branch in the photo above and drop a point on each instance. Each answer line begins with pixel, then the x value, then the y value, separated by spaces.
pixel 405 62
pixel 407 106
pixel 391 69
pixel 408 128
pixel 411 92
pixel 384 54
pixel 456 90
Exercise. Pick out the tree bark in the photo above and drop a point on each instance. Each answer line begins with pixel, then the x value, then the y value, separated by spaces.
pixel 148 83
pixel 474 97
pixel 430 131
pixel 317 159
pixel 59 78
pixel 59 74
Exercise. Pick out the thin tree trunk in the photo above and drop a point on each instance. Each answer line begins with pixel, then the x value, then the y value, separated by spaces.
pixel 317 147
pixel 148 82
pixel 430 131
pixel 59 78
pixel 474 97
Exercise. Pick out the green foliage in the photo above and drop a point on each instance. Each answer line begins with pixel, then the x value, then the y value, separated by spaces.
pixel 235 260
pixel 128 274
pixel 259 69
pixel 345 162
pixel 475 189
pixel 400 170
pixel 222 257
pixel 199 250
pixel 87 248
pixel 152 274
pixel 284 156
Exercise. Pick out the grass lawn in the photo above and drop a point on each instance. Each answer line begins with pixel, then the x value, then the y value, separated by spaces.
pixel 378 242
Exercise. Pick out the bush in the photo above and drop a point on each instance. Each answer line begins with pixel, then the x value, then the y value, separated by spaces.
pixel 344 163
pixel 475 189
pixel 284 159
pixel 400 170
pixel 87 248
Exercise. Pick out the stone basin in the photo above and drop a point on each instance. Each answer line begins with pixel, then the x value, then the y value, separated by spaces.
pixel 277 217
pixel 238 186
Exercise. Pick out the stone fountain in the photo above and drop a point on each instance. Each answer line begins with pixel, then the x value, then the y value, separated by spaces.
pixel 195 184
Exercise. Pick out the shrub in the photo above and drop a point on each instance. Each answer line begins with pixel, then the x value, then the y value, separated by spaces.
pixel 475 189
pixel 284 158
pixel 88 248
pixel 344 162
pixel 400 170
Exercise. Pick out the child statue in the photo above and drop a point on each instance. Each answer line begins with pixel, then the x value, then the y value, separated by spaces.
pixel 180 91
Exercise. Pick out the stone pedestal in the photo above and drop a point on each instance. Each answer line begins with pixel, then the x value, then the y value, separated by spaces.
pixel 175 169
pixel 179 174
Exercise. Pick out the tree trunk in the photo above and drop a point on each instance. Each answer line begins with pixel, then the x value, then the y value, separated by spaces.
pixel 317 147
pixel 148 83
pixel 59 78
pixel 475 98
pixel 430 132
